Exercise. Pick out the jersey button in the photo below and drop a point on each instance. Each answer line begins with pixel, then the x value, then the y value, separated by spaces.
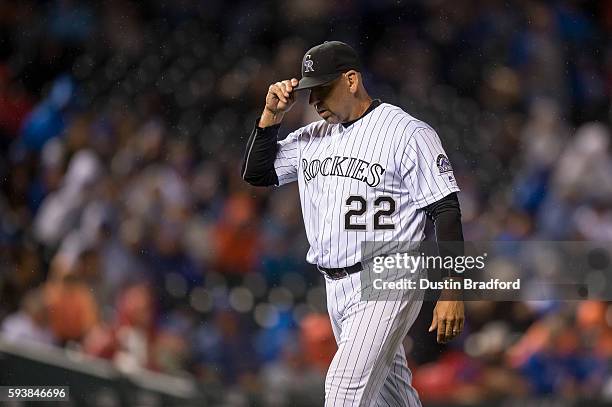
pixel 325 251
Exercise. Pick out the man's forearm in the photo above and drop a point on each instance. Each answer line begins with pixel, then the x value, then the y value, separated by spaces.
pixel 259 156
pixel 269 118
pixel 446 215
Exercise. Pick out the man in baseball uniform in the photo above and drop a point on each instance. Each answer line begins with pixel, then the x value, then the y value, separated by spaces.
pixel 367 172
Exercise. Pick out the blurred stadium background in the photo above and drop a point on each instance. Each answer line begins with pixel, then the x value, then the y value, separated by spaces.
pixel 137 267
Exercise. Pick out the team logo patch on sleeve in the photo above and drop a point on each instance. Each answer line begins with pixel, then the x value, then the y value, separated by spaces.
pixel 443 164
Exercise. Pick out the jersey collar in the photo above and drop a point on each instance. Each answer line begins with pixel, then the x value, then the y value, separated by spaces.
pixel 375 103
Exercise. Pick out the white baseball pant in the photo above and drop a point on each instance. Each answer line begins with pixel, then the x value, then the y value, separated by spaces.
pixel 370 367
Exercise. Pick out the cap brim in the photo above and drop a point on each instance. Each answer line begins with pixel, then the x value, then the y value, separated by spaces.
pixel 309 82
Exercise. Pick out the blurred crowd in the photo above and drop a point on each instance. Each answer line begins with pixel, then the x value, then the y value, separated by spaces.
pixel 127 233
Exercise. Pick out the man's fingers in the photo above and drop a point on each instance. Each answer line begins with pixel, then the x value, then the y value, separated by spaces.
pixel 288 86
pixel 278 92
pixel 283 91
pixel 283 88
pixel 441 330
pixel 272 90
pixel 449 318
pixel 457 328
pixel 451 328
pixel 434 323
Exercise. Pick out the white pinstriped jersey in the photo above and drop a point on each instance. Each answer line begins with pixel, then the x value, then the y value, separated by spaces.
pixel 366 182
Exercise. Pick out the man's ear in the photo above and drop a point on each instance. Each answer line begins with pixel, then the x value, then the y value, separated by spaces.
pixel 353 80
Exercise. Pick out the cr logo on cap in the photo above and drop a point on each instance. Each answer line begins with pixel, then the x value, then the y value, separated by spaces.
pixel 308 64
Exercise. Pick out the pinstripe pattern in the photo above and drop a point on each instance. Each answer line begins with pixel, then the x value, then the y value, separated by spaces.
pixel 386 155
pixel 370 367
pixel 406 148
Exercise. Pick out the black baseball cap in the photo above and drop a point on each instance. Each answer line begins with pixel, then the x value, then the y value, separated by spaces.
pixel 325 62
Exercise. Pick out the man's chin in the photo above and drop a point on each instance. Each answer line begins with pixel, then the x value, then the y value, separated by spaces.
pixel 328 117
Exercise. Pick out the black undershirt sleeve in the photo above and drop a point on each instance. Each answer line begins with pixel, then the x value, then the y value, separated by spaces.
pixel 446 216
pixel 258 162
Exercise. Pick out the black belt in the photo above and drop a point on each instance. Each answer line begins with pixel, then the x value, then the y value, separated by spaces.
pixel 338 273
